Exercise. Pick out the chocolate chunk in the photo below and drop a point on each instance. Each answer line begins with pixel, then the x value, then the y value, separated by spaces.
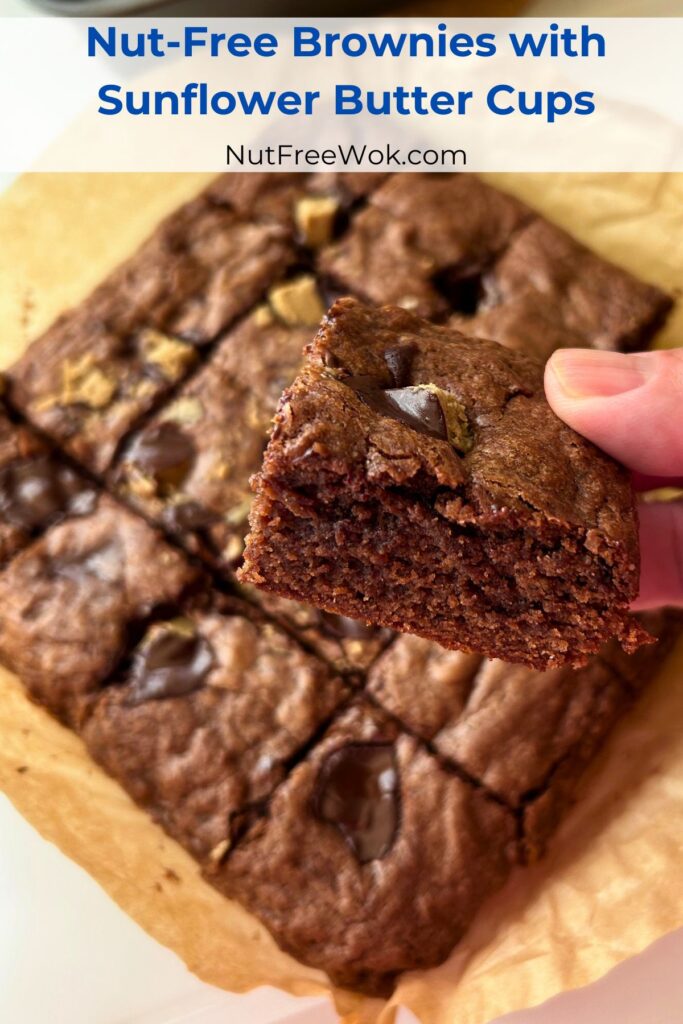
pixel 417 407
pixel 171 664
pixel 187 515
pixel 35 492
pixel 163 452
pixel 357 791
pixel 399 359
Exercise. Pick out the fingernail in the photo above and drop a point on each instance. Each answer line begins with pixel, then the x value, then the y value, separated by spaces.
pixel 598 374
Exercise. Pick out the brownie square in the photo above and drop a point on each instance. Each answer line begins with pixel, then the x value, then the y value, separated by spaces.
pixel 203 724
pixel 36 488
pixel 418 479
pixel 423 241
pixel 189 467
pixel 548 291
pixel 73 601
pixel 371 858
pixel 91 376
pixel 508 727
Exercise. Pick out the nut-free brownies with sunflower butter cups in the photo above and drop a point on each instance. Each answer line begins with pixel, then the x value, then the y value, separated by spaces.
pixel 418 479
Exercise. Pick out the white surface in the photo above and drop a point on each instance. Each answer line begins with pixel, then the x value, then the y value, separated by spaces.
pixel 65 945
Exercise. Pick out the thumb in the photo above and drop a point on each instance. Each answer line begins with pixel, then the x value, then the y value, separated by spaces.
pixel 630 406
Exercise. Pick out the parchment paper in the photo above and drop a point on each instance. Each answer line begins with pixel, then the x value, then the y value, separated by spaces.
pixel 612 883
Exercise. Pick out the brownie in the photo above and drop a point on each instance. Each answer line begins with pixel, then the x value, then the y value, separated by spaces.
pixel 418 479
pixel 72 602
pixel 423 241
pixel 637 670
pixel 348 644
pixel 203 724
pixel 372 858
pixel 90 377
pixel 37 488
pixel 506 726
pixel 315 207
pixel 189 467
pixel 548 291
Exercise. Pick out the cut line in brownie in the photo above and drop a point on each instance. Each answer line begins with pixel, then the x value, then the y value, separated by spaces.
pixel 441 244
pixel 100 367
pixel 204 723
pixel 547 291
pixel 73 601
pixel 418 479
pixel 37 488
pixel 188 468
pixel 368 827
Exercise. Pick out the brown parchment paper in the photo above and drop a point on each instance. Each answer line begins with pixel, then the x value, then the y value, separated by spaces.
pixel 612 883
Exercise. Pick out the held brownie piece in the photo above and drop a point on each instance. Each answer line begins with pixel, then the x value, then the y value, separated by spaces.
pixel 418 479
pixel 369 829
pixel 203 724
pixel 73 601
pixel 89 378
pixel 189 467
pixel 36 488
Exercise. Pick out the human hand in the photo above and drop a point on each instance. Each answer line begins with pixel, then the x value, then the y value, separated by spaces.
pixel 632 408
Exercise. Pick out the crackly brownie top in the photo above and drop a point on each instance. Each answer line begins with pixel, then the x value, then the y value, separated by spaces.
pixel 463 421
pixel 368 825
pixel 70 600
pixel 36 487
pixel 213 705
pixel 506 725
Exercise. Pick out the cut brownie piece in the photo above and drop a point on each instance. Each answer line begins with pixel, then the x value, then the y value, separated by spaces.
pixel 36 488
pixel 348 644
pixel 419 480
pixel 205 721
pixel 314 206
pixel 548 291
pixel 527 736
pixel 368 828
pixel 423 242
pixel 189 467
pixel 89 378
pixel 73 601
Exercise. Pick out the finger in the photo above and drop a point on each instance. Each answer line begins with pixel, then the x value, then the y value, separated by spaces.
pixel 641 482
pixel 661 555
pixel 630 406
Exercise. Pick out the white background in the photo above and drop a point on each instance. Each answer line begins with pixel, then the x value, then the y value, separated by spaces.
pixel 45 76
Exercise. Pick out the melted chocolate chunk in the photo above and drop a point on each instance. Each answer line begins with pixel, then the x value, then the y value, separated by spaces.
pixel 399 359
pixel 358 791
pixel 170 665
pixel 163 452
pixel 35 492
pixel 418 408
pixel 187 515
